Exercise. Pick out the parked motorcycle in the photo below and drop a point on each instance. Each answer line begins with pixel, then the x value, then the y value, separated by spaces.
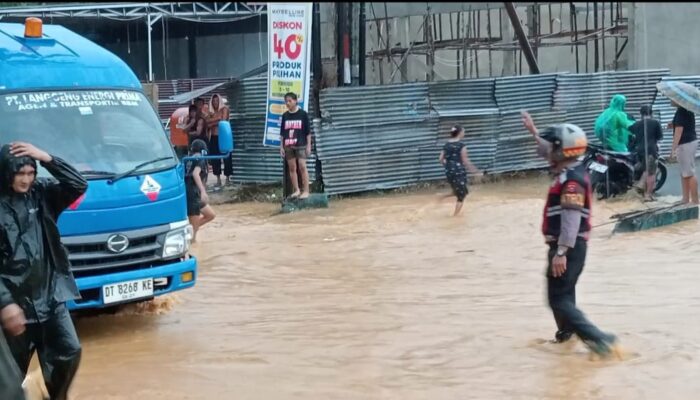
pixel 613 174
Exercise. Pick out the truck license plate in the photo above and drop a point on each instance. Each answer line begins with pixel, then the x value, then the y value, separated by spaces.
pixel 598 167
pixel 125 291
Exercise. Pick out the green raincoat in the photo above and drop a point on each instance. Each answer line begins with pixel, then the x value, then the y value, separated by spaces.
pixel 612 126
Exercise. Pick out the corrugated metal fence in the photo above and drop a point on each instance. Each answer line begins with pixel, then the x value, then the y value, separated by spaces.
pixel 382 137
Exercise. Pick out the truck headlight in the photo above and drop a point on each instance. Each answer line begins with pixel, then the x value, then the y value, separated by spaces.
pixel 177 242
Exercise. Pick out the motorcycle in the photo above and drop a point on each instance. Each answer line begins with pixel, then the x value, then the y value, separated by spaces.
pixel 613 174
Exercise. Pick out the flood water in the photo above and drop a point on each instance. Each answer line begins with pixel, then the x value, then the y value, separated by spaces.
pixel 390 297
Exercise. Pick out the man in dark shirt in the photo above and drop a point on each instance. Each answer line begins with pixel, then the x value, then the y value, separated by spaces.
pixel 295 144
pixel 647 134
pixel 685 145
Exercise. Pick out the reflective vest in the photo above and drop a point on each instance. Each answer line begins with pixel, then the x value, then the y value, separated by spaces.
pixel 551 221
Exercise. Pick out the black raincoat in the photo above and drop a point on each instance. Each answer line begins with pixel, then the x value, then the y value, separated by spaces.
pixel 10 379
pixel 35 271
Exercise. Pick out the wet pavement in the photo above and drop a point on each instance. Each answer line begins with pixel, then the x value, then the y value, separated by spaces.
pixel 389 297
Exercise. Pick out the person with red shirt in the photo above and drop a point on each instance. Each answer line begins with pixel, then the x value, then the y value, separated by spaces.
pixel 566 227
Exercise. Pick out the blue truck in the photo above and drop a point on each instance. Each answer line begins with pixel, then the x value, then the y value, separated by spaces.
pixel 128 237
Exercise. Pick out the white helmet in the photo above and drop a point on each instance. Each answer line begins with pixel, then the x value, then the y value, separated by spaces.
pixel 568 141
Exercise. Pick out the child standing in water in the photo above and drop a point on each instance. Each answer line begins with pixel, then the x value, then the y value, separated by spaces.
pixel 199 211
pixel 454 158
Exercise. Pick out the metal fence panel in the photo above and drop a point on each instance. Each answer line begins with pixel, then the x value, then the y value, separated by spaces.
pixel 371 171
pixel 461 97
pixel 516 149
pixel 374 105
pixel 529 92
pixel 336 142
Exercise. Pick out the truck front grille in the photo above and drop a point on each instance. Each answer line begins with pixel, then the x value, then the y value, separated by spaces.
pixel 89 255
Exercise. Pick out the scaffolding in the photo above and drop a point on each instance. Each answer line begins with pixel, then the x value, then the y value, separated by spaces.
pixel 487 28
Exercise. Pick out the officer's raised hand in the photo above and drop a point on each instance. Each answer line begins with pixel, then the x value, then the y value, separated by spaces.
pixel 13 320
pixel 528 123
pixel 22 149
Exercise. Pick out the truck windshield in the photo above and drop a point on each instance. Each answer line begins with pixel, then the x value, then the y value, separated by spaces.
pixel 100 132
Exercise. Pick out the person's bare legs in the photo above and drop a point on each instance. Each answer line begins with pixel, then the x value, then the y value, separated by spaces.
pixel 301 163
pixel 650 184
pixel 292 165
pixel 208 215
pixel 685 183
pixel 458 208
pixel 194 221
pixel 446 196
pixel 693 189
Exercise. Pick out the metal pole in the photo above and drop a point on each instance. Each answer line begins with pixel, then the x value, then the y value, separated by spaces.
pixel 595 29
pixel 317 62
pixel 340 34
pixel 150 53
pixel 522 38
pixel 362 45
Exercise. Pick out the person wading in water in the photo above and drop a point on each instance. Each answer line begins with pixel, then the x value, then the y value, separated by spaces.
pixel 566 227
pixel 455 160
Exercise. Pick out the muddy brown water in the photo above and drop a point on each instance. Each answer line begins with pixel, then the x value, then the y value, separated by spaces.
pixel 392 298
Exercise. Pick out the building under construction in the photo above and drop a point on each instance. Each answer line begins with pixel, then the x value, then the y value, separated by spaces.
pixel 384 42
pixel 473 40
pixel 405 42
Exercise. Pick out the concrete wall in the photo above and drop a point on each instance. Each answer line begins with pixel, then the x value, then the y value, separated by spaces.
pixel 665 35
pixel 230 55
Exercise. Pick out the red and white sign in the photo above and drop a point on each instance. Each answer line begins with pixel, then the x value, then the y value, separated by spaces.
pixel 150 188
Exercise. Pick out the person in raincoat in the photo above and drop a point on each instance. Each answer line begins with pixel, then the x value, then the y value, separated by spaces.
pixel 10 379
pixel 612 126
pixel 35 276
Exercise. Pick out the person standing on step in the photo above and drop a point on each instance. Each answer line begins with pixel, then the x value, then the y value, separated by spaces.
pixel 455 160
pixel 218 112
pixel 647 135
pixel 295 144
pixel 195 125
pixel 685 147
pixel 566 227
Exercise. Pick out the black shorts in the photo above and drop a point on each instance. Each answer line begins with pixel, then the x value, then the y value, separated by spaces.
pixel 194 202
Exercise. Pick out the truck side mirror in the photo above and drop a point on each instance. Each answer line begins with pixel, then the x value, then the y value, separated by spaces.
pixel 225 137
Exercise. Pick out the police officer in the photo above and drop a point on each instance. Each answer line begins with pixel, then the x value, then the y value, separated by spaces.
pixel 566 227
